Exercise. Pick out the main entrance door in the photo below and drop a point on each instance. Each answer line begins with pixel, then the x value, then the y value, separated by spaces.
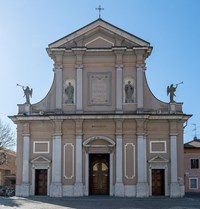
pixel 41 182
pixel 99 174
pixel 158 182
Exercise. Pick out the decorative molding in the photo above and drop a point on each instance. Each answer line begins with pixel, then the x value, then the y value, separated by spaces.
pixel 197 183
pixel 158 142
pixel 110 142
pixel 40 142
pixel 126 160
pixel 99 37
pixel 72 160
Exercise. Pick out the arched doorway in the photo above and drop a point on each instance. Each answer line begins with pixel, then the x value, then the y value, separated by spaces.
pixel 99 157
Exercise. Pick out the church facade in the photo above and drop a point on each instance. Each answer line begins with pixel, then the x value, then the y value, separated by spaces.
pixel 100 130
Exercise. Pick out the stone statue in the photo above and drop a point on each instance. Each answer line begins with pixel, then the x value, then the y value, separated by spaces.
pixel 70 94
pixel 129 90
pixel 27 93
pixel 171 91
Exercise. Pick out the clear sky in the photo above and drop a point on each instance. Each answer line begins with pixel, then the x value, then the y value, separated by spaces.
pixel 171 26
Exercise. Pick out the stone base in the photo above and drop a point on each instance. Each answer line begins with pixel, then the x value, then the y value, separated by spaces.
pixel 56 190
pixel 176 190
pixel 119 190
pixel 68 191
pixel 22 190
pixel 142 190
pixel 130 191
pixel 78 189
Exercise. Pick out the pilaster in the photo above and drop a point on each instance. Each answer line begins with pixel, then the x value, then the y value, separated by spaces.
pixel 119 186
pixel 142 189
pixel 58 78
pixel 56 186
pixel 175 190
pixel 119 87
pixel 24 188
pixel 78 187
pixel 79 87
pixel 140 87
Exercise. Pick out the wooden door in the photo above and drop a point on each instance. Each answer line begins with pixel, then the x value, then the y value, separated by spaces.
pixel 158 182
pixel 41 182
pixel 99 174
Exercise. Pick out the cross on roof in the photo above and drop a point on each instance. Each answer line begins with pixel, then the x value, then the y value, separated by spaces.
pixel 99 8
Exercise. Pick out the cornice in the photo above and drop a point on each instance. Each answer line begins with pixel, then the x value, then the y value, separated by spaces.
pixel 21 118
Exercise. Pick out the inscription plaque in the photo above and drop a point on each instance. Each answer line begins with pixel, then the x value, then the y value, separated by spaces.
pixel 99 88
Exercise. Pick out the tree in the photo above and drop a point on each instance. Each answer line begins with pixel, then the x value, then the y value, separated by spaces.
pixel 7 137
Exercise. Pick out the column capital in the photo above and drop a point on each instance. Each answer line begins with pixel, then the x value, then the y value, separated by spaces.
pixel 79 66
pixel 58 127
pixel 119 66
pixel 58 66
pixel 141 66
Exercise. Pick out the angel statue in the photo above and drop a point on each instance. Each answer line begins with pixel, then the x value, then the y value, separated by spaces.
pixel 27 93
pixel 171 91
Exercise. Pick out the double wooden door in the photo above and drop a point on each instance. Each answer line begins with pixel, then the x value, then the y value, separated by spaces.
pixel 41 182
pixel 158 182
pixel 99 174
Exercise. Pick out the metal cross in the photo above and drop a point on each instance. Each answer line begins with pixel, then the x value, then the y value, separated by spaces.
pixel 99 8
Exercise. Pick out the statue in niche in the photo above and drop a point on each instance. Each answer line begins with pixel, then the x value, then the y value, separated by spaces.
pixel 171 91
pixel 69 90
pixel 27 93
pixel 129 90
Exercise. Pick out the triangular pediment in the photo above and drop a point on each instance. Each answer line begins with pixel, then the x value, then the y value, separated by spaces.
pixel 99 34
pixel 40 159
pixel 158 159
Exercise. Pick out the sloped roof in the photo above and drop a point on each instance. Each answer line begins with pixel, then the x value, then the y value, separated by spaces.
pixel 105 25
pixel 195 143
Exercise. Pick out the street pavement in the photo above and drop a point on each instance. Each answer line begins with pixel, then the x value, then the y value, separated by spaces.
pixel 100 202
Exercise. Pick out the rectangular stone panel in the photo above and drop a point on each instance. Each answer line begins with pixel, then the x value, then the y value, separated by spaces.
pixel 41 147
pixel 99 88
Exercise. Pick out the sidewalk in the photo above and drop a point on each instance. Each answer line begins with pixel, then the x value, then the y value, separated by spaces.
pixel 100 202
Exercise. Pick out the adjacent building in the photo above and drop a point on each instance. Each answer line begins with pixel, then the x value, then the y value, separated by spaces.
pixel 7 167
pixel 192 166
pixel 100 130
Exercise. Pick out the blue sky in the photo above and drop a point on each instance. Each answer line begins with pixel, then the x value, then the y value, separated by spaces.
pixel 171 26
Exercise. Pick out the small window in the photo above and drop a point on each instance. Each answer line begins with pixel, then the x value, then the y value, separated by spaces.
pixel 193 183
pixel 194 163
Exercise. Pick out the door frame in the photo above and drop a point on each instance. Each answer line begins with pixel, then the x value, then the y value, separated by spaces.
pixel 43 163
pixel 107 161
pixel 87 172
pixel 106 147
pixel 46 180
pixel 159 167
pixel 162 181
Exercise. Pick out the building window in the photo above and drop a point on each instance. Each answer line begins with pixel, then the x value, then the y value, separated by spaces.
pixel 194 163
pixel 193 182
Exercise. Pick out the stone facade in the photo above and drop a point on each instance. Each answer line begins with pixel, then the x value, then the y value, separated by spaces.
pixel 100 130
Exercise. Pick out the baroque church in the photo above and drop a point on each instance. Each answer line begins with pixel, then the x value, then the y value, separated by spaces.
pixel 100 130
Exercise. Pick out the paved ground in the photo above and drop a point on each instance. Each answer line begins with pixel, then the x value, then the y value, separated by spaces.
pixel 100 202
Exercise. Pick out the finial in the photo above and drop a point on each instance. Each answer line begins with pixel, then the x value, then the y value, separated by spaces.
pixel 99 8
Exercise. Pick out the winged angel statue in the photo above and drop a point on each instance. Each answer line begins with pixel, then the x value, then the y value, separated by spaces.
pixel 171 91
pixel 27 93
